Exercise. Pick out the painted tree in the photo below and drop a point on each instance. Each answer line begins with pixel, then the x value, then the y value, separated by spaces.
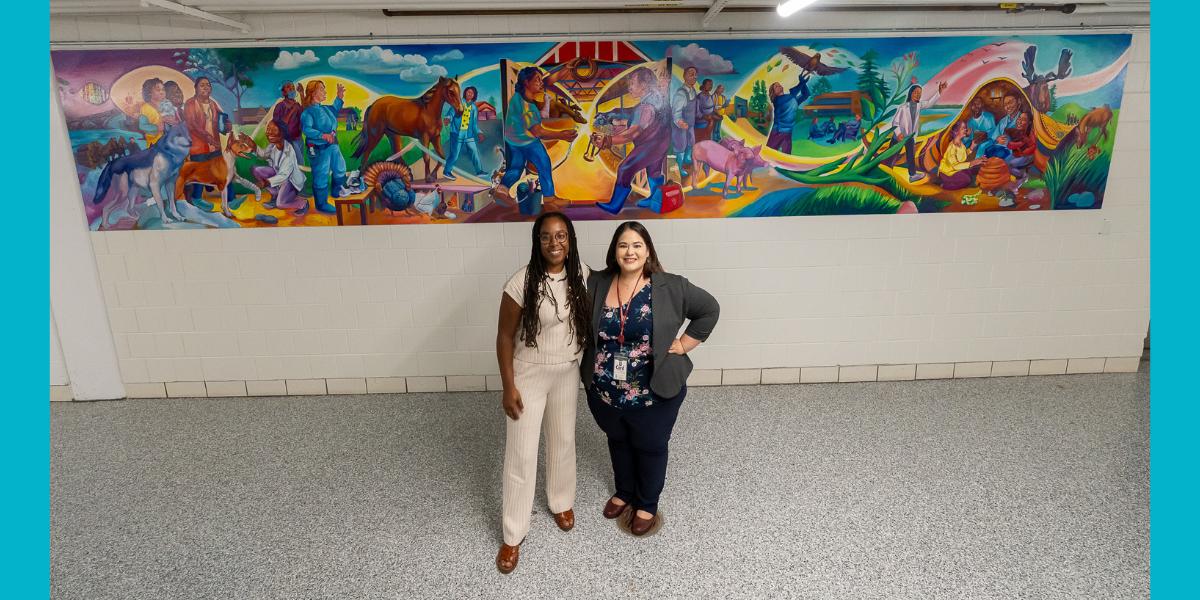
pixel 869 79
pixel 822 86
pixel 199 62
pixel 1053 99
pixel 239 63
pixel 229 68
pixel 758 99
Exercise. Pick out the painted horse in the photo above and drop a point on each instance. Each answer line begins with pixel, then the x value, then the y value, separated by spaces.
pixel 419 118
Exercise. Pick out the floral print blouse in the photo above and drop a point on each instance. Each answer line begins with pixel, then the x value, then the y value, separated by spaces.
pixel 634 392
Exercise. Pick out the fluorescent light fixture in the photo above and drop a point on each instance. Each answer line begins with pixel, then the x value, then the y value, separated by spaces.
pixel 791 7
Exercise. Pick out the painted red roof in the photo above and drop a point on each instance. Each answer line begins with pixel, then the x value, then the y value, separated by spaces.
pixel 605 51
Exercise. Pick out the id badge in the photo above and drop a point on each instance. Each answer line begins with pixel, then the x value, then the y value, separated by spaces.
pixel 620 367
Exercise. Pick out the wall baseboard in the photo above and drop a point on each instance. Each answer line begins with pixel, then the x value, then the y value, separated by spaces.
pixel 699 378
pixel 61 393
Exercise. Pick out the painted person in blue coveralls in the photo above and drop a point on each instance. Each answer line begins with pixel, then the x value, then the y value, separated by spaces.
pixel 683 136
pixel 650 133
pixel 523 135
pixel 319 124
pixel 464 131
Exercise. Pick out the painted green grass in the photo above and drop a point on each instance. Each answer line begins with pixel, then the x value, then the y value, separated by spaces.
pixel 1068 109
pixel 930 205
pixel 829 200
pixel 802 146
pixel 346 141
pixel 1071 171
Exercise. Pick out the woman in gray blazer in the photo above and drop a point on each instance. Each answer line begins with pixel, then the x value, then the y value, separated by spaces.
pixel 635 370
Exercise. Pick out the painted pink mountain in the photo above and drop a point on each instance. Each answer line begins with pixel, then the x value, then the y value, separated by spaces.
pixel 1003 59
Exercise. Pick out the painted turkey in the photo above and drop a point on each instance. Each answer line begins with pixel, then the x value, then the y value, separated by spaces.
pixel 390 185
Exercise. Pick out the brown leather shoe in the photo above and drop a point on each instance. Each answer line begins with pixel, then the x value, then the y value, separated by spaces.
pixel 565 519
pixel 507 557
pixel 613 510
pixel 639 526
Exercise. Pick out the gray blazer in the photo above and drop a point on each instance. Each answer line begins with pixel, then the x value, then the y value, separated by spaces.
pixel 673 298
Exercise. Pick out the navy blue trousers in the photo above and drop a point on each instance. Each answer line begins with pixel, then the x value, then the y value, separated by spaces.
pixel 637 445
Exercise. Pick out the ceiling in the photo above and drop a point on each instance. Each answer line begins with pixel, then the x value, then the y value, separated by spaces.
pixel 242 7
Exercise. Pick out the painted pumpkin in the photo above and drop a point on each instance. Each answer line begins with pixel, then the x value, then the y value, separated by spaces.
pixel 993 174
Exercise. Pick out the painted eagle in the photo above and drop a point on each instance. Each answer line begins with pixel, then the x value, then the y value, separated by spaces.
pixel 810 63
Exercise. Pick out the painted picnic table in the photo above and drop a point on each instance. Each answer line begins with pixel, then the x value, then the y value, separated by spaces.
pixel 457 195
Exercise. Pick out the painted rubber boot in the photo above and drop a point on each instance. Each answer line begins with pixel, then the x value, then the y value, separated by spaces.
pixel 321 200
pixel 232 200
pixel 339 187
pixel 613 206
pixel 654 200
pixel 198 200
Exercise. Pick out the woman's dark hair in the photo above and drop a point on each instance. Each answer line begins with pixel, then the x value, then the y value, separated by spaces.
pixel 174 92
pixel 911 91
pixel 148 87
pixel 535 291
pixel 473 90
pixel 955 127
pixel 1030 119
pixel 652 265
pixel 523 77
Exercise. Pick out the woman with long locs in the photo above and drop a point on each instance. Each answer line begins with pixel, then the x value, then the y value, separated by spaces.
pixel 543 329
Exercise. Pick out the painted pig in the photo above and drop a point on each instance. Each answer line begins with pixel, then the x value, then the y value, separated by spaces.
pixel 713 156
pixel 750 159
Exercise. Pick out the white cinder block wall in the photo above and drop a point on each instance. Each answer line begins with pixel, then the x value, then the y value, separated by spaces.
pixel 819 298
pixel 59 381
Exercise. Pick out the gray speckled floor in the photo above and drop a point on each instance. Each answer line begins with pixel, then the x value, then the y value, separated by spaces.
pixel 996 488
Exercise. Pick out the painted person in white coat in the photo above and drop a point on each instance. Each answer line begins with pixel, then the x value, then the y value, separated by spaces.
pixel 282 175
pixel 907 124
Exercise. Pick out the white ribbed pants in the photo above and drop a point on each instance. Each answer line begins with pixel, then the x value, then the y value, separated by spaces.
pixel 549 394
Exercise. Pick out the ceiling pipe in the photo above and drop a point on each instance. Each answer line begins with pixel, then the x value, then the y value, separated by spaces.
pixel 197 13
pixel 712 13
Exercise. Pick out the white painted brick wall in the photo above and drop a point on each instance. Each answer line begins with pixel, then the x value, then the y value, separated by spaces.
pixel 58 367
pixel 420 302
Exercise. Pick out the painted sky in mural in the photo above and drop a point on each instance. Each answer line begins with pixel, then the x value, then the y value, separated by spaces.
pixel 315 136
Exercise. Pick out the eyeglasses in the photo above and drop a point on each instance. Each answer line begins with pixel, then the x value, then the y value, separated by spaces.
pixel 559 237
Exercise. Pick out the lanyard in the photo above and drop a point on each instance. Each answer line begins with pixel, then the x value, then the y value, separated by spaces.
pixel 621 310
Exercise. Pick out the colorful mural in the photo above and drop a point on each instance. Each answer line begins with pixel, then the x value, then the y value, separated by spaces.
pixel 312 136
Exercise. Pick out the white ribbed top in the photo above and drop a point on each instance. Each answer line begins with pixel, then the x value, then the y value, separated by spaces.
pixel 556 340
